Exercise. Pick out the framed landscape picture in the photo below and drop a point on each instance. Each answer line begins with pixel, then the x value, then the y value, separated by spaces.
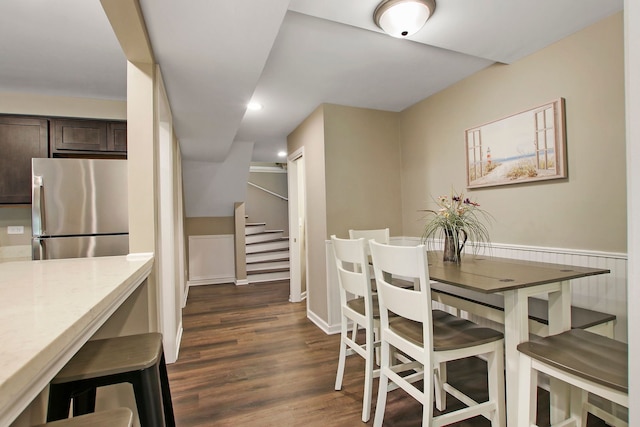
pixel 524 147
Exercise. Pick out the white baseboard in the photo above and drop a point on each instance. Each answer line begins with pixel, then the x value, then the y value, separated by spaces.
pixel 241 282
pixel 329 330
pixel 185 297
pixel 210 281
pixel 178 341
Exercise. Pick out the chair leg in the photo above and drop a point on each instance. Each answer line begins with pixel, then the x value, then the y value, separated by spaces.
pixel 427 407
pixel 383 384
pixel 343 353
pixel 59 402
pixel 495 376
pixel 368 378
pixel 354 333
pixel 439 379
pixel 148 394
pixel 167 404
pixel 85 402
pixel 376 338
pixel 427 397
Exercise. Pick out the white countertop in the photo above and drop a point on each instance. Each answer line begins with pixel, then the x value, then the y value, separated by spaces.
pixel 48 310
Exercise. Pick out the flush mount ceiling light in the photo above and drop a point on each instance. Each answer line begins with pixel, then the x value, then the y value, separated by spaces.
pixel 254 106
pixel 402 18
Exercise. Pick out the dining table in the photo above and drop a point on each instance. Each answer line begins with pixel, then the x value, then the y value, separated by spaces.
pixel 517 280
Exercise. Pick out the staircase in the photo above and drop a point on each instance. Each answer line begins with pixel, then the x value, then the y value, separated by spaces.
pixel 267 254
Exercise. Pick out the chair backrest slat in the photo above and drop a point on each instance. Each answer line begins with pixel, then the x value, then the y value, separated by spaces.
pixel 352 281
pixel 409 262
pixel 352 266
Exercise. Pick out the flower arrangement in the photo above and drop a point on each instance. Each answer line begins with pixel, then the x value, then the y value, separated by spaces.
pixel 456 220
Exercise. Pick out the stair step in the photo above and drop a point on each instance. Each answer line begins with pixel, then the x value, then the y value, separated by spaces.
pixel 268 276
pixel 267 255
pixel 254 228
pixel 281 243
pixel 279 263
pixel 263 236
pixel 268 270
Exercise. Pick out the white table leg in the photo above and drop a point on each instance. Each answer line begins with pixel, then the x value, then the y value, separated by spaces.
pixel 516 330
pixel 559 321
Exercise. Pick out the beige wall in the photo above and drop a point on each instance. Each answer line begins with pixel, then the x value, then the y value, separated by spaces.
pixel 310 135
pixel 202 226
pixel 585 211
pixel 10 216
pixel 63 106
pixel 264 207
pixel 362 154
pixel 352 156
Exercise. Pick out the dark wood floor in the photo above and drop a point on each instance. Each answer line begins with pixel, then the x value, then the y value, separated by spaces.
pixel 250 358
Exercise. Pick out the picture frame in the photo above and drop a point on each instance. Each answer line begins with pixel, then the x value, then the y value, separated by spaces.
pixel 524 147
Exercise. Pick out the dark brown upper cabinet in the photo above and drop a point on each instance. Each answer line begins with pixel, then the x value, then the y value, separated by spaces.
pixel 25 137
pixel 21 139
pixel 117 136
pixel 88 138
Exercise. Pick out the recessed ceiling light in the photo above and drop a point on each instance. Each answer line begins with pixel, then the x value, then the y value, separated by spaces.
pixel 282 153
pixel 254 106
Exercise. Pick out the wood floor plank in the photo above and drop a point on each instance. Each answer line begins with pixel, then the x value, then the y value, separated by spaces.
pixel 249 357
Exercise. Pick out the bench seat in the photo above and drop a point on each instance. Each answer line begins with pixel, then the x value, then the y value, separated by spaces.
pixel 491 307
pixel 595 364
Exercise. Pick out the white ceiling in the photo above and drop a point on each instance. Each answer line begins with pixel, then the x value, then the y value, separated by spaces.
pixel 289 55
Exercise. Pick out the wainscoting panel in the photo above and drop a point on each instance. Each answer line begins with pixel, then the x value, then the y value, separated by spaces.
pixel 606 293
pixel 211 259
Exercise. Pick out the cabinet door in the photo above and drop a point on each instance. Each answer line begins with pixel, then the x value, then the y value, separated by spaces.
pixel 117 136
pixel 21 139
pixel 80 135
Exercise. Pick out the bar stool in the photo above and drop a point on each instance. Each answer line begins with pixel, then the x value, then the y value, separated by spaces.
pixel 119 417
pixel 136 359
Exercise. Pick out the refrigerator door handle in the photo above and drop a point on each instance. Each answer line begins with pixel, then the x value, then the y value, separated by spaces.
pixel 37 211
pixel 38 249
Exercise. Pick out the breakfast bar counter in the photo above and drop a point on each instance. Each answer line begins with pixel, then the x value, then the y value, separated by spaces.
pixel 48 310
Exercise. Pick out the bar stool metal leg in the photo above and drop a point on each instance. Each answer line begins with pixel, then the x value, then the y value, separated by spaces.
pixel 169 417
pixel 146 388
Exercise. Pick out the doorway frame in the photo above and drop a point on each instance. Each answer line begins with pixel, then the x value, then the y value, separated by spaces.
pixel 297 189
pixel 170 290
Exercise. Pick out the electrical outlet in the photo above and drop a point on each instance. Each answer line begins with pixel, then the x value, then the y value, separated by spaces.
pixel 15 229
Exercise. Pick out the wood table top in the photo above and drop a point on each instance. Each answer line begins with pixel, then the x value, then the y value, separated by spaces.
pixel 488 274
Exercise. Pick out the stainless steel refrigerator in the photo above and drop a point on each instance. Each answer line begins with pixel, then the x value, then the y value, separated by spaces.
pixel 79 208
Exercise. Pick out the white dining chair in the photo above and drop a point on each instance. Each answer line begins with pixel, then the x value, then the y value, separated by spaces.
pixel 358 306
pixel 590 363
pixel 430 337
pixel 380 235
